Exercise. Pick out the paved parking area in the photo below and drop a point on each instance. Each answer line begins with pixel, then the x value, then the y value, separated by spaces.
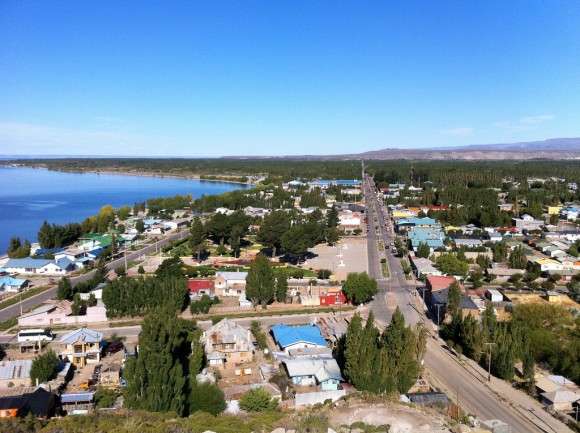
pixel 349 255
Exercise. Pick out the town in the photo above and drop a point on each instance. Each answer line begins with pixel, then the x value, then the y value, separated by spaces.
pixel 273 305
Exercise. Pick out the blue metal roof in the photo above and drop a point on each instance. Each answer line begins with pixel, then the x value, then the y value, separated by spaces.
pixel 78 397
pixel 288 335
pixel 26 263
pixel 9 281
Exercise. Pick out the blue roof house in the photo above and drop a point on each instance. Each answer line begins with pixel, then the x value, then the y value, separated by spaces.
pixel 432 237
pixel 10 284
pixel 298 337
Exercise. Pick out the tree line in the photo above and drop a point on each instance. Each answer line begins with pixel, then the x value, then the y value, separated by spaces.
pixel 276 169
pixel 382 362
pixel 537 333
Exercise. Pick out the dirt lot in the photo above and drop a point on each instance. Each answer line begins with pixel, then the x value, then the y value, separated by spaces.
pixel 526 298
pixel 401 418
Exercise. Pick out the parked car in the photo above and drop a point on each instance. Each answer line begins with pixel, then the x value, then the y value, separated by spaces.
pixel 114 347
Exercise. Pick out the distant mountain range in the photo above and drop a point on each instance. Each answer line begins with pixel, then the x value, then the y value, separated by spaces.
pixel 555 148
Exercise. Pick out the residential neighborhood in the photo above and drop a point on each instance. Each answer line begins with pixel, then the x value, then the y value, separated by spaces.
pixel 444 269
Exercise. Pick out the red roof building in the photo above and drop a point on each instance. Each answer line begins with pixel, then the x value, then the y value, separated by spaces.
pixel 436 283
pixel 200 287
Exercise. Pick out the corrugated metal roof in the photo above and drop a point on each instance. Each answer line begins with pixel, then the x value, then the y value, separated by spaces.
pixel 27 263
pixel 288 335
pixel 82 334
pixel 78 397
pixel 39 310
pixel 16 369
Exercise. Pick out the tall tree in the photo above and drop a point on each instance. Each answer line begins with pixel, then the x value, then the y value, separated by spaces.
pixel 272 229
pixel 359 287
pixel 156 378
pixel 517 258
pixel 423 250
pixel 295 241
pixel 64 289
pixel 197 236
pixel 218 227
pixel 43 367
pixel 45 238
pixel 281 288
pixel 399 342
pixel 140 225
pixel 454 296
pixel 260 282
pixel 332 219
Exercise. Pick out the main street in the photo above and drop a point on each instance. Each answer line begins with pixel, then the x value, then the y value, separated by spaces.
pixel 33 301
pixel 445 371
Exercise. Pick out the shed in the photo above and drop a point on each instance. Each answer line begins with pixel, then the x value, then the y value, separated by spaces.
pixel 552 296
pixel 494 295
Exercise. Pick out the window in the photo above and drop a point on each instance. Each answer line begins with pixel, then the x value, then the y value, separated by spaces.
pixel 78 348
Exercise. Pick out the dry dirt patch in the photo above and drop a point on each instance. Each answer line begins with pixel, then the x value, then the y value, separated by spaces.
pixel 401 418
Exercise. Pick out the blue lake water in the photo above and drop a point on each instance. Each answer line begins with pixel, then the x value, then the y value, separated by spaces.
pixel 29 196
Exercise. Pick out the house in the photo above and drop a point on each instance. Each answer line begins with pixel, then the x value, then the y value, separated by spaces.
pixel 432 237
pixel 9 284
pixel 547 265
pixel 198 288
pixel 333 296
pixel 440 297
pixel 26 266
pixel 506 207
pixel 324 373
pixel 81 347
pixel 228 344
pixel 466 241
pixel 38 403
pixel 561 399
pixel 527 222
pixel 437 283
pixel 230 283
pixel 294 337
pixel 502 274
pixel 423 266
pixel 15 372
pixel 60 314
pixel 494 237
pixel 78 403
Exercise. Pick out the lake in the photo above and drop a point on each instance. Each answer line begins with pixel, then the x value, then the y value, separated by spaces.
pixel 29 196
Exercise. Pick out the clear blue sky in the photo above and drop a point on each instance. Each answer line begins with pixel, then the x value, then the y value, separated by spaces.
pixel 193 78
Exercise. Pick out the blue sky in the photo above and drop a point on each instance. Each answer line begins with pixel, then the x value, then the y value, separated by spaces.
pixel 192 78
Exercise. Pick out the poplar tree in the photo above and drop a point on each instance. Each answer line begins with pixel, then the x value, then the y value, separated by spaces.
pixel 197 236
pixel 281 288
pixel 156 379
pixel 260 282
pixel 64 289
pixel 399 342
pixel 332 219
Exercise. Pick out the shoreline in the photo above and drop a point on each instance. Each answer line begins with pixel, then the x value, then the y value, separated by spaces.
pixel 137 173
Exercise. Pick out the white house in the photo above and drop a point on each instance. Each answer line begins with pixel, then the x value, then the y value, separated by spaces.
pixel 30 266
pixel 231 283
pixel 9 284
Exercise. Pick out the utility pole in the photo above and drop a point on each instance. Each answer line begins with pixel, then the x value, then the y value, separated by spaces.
pixel 489 361
pixel 438 310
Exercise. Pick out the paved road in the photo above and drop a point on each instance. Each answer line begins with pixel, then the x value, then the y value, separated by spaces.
pixel 446 372
pixel 27 304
